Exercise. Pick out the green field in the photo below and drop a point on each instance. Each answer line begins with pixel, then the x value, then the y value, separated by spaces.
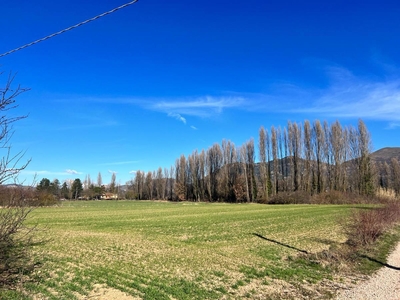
pixel 164 250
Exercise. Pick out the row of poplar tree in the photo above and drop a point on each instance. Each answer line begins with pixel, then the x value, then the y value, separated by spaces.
pixel 311 157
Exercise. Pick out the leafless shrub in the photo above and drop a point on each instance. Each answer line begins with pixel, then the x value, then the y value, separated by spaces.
pixel 337 197
pixel 44 199
pixel 298 197
pixel 391 212
pixel 15 240
pixel 367 225
pixel 15 236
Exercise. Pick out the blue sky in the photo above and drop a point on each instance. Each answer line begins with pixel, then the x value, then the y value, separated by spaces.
pixel 138 88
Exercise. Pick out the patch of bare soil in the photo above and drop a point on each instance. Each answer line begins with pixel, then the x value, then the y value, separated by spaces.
pixel 101 292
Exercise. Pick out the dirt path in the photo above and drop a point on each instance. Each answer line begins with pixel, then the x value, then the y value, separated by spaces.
pixel 385 284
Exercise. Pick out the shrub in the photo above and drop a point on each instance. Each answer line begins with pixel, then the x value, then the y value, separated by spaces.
pixel 337 197
pixel 15 240
pixel 44 199
pixel 366 225
pixel 298 197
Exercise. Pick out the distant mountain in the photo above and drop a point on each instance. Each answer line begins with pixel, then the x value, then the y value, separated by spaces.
pixel 386 154
pixel 15 186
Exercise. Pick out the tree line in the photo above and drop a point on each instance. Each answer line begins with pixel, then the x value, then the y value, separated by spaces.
pixel 47 190
pixel 302 157
pixel 311 158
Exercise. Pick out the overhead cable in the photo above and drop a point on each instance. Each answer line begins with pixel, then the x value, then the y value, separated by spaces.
pixel 69 28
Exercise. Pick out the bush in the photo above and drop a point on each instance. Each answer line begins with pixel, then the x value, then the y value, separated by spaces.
pixel 367 225
pixel 44 199
pixel 336 197
pixel 329 197
pixel 298 197
pixel 15 240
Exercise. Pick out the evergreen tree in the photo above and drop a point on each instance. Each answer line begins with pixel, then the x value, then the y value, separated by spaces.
pixel 76 188
pixel 64 191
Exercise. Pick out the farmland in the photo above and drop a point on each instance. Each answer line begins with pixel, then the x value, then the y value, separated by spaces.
pixel 164 250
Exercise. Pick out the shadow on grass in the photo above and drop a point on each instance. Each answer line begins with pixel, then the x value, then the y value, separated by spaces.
pixel 379 262
pixel 361 207
pixel 279 243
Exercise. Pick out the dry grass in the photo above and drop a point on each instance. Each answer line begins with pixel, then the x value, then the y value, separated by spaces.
pixel 386 194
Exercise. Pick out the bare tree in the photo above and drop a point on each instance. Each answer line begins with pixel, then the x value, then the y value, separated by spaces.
pixel 242 161
pixel 195 174
pixel 284 154
pixel 269 158
pixel 395 175
pixel 295 148
pixel 159 183
pixel 328 163
pixel 250 159
pixel 262 147
pixel 113 182
pixel 275 158
pixel 360 147
pixel 99 180
pixel 247 162
pixel 385 176
pixel 365 166
pixel 86 182
pixel 138 183
pixel 202 162
pixel 171 182
pixel 318 138
pixel 308 155
pixel 228 171
pixel 164 184
pixel 15 236
pixel 10 164
pixel 339 145
pixel 213 165
pixel 149 185
pixel 181 189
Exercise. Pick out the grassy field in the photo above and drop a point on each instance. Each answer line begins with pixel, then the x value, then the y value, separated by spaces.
pixel 161 250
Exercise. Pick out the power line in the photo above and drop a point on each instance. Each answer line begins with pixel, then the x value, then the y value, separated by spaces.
pixel 69 28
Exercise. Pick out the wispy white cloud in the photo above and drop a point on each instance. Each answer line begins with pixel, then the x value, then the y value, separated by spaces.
pixel 346 95
pixel 178 117
pixel 373 101
pixel 112 172
pixel 354 97
pixel 128 162
pixel 69 171
pixel 201 106
pixel 194 128
pixel 132 172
